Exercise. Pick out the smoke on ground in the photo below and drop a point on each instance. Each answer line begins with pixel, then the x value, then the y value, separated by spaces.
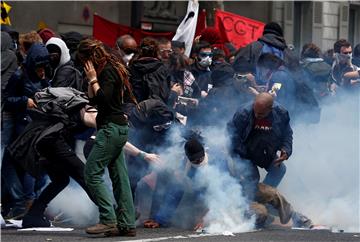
pixel 322 178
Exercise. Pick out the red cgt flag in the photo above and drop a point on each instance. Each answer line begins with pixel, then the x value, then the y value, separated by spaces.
pixel 237 29
pixel 107 31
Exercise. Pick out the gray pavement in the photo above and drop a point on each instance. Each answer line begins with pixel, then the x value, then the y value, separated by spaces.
pixel 273 233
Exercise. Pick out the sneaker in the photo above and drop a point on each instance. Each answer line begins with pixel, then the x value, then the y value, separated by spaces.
pixel 100 228
pixel 33 221
pixel 121 232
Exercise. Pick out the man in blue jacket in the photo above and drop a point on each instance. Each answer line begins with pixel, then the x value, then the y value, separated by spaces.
pixel 261 136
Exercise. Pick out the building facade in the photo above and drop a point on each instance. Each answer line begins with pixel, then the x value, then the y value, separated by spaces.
pixel 320 22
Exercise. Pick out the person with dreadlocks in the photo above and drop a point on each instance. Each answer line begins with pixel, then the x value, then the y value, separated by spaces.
pixel 109 89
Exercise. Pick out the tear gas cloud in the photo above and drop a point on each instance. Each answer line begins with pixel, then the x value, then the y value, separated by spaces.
pixel 322 178
pixel 74 207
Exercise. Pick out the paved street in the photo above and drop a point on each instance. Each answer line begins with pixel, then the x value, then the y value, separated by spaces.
pixel 271 234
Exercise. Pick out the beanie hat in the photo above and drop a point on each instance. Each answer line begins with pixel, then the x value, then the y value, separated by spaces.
pixel 46 34
pixel 194 150
pixel 273 28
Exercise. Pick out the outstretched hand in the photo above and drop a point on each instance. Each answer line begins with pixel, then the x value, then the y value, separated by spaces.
pixel 153 159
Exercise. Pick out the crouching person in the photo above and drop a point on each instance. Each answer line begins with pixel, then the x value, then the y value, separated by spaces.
pixel 267 195
pixel 260 196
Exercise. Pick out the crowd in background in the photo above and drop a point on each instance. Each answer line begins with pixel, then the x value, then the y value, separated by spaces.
pixel 130 97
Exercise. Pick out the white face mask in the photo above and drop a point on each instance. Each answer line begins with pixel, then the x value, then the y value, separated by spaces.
pixel 127 58
pixel 206 61
pixel 343 58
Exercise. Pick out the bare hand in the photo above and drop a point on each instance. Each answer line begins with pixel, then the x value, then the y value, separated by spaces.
pixel 204 94
pixel 283 156
pixel 153 159
pixel 31 103
pixel 90 70
pixel 197 39
pixel 178 89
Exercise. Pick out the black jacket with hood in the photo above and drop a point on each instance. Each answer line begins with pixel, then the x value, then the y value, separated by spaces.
pixel 247 57
pixel 150 79
pixel 65 74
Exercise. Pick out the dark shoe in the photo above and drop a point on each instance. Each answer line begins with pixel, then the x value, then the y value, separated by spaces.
pixel 100 228
pixel 121 232
pixel 33 221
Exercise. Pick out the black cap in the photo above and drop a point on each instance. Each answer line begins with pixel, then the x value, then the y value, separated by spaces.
pixel 194 150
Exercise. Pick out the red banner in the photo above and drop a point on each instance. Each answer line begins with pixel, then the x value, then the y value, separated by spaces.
pixel 237 29
pixel 201 22
pixel 107 31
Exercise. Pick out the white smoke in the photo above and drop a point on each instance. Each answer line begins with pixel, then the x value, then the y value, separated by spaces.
pixel 73 207
pixel 224 197
pixel 226 204
pixel 322 179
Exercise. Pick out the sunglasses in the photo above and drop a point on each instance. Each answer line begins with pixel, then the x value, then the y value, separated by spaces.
pixel 205 54
pixel 168 51
pixel 161 127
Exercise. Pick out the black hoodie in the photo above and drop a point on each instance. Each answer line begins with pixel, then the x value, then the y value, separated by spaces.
pixel 150 79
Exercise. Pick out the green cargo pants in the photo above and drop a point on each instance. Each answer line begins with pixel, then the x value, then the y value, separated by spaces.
pixel 108 152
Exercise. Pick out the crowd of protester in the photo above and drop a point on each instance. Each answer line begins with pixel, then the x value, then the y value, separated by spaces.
pixel 72 106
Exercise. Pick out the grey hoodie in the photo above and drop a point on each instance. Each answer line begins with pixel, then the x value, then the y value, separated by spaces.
pixel 8 59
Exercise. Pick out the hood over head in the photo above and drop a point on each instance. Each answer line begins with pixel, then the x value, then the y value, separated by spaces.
pixel 222 75
pixel 6 41
pixel 37 55
pixel 274 40
pixel 147 65
pixel 151 112
pixel 65 54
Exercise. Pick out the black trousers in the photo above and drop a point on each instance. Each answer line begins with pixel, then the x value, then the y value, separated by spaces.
pixel 61 164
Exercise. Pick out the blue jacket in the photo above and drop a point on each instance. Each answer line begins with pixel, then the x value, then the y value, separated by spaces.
pixel 240 127
pixel 24 83
pixel 175 191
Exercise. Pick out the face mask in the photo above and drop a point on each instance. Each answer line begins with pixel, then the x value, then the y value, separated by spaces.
pixel 205 62
pixel 343 58
pixel 127 58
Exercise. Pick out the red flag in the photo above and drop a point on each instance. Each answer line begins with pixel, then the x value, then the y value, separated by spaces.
pixel 107 31
pixel 237 29
pixel 201 22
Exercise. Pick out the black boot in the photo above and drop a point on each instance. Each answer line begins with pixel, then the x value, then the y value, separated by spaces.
pixel 35 217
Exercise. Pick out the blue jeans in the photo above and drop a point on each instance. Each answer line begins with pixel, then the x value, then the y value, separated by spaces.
pixel 11 183
pixel 274 174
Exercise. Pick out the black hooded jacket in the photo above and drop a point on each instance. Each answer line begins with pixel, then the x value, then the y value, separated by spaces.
pixel 247 57
pixel 150 79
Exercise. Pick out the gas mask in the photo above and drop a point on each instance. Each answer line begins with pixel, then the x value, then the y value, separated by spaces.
pixel 128 57
pixel 205 61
